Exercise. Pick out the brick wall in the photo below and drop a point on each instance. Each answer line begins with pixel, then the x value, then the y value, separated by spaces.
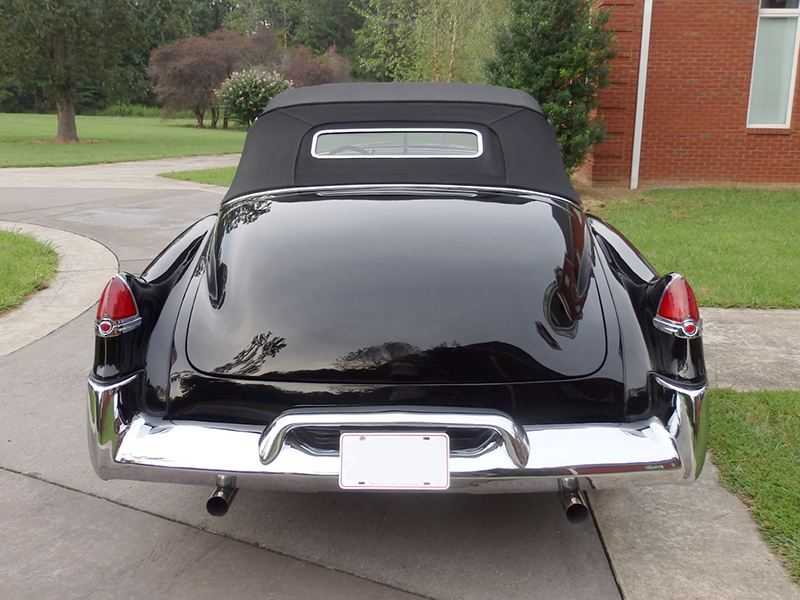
pixel 612 158
pixel 701 56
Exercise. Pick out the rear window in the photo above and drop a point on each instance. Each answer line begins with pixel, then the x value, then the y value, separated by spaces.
pixel 397 143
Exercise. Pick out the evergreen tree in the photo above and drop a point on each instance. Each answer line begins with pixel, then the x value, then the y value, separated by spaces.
pixel 558 51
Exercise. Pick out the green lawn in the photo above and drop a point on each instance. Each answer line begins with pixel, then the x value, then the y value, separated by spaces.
pixel 26 265
pixel 737 247
pixel 222 176
pixel 25 140
pixel 755 442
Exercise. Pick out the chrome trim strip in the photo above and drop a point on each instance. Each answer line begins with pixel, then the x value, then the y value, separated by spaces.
pixel 679 329
pixel 316 136
pixel 599 455
pixel 400 187
pixel 514 439
pixel 117 327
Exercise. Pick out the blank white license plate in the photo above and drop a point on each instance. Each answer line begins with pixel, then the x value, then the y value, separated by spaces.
pixel 394 461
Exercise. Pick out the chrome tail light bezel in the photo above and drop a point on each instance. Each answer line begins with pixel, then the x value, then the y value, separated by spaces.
pixel 107 327
pixel 686 328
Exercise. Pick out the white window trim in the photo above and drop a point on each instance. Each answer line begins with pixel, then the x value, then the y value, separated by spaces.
pixel 478 153
pixel 775 13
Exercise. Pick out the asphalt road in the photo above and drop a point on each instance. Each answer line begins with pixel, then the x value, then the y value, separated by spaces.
pixel 67 534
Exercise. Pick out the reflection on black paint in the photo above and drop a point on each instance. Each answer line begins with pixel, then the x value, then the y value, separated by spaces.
pixel 400 361
pixel 400 355
pixel 217 278
pixel 250 360
pixel 565 297
pixel 244 213
pixel 542 331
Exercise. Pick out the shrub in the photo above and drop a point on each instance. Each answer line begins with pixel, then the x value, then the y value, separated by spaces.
pixel 558 51
pixel 244 95
pixel 305 68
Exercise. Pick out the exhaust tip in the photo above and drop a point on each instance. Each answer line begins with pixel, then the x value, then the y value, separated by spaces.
pixel 217 506
pixel 577 513
pixel 576 507
pixel 222 497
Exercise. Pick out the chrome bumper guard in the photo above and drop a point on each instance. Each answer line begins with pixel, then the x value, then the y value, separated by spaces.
pixel 517 458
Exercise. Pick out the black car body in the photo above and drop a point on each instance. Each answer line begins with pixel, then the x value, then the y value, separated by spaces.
pixel 400 291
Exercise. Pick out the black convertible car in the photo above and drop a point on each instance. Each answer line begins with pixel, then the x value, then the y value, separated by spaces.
pixel 401 291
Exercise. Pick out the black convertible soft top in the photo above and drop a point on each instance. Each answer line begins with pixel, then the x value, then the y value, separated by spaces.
pixel 520 148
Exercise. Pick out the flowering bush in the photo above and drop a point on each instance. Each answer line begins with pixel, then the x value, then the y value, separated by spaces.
pixel 244 94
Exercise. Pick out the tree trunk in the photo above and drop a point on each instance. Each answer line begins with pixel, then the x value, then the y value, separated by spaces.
pixel 451 69
pixel 65 108
pixel 436 26
pixel 65 102
pixel 199 114
pixel 214 117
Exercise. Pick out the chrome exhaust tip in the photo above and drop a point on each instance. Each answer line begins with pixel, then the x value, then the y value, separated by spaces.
pixel 222 496
pixel 576 508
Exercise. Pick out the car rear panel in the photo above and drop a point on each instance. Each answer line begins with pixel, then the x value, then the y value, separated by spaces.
pixel 399 290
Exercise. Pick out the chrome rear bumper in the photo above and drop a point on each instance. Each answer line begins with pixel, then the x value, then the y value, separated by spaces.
pixel 518 459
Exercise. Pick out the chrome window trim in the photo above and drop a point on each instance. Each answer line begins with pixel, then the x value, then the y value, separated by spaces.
pixel 317 135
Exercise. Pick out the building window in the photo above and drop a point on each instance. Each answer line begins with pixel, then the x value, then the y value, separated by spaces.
pixel 774 64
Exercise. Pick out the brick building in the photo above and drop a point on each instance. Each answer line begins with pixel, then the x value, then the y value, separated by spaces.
pixel 713 101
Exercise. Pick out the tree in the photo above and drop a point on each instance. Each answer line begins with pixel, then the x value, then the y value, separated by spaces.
pixel 387 41
pixel 451 38
pixel 67 44
pixel 316 24
pixel 558 51
pixel 187 72
pixel 426 40
pixel 305 68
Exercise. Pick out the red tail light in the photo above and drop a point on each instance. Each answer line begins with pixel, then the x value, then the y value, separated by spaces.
pixel 117 311
pixel 678 313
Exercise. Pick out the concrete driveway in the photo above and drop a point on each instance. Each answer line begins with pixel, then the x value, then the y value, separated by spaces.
pixel 68 534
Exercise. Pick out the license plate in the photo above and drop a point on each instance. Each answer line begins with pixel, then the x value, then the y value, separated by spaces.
pixel 394 461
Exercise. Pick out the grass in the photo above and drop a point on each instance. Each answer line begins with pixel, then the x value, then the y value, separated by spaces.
pixel 737 247
pixel 24 140
pixel 755 441
pixel 26 265
pixel 222 176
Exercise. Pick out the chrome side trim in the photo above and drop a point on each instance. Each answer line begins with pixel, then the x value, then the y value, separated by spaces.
pixel 596 455
pixel 514 439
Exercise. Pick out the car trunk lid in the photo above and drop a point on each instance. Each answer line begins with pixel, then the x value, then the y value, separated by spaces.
pixel 398 289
